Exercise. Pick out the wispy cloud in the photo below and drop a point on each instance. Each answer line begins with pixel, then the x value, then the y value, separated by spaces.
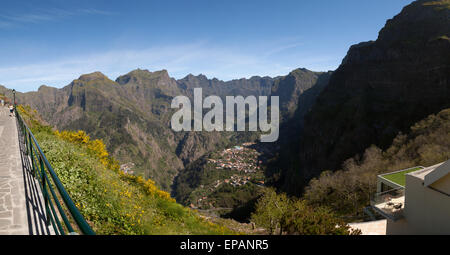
pixel 26 18
pixel 96 11
pixel 200 57
pixel 45 15
pixel 5 24
pixel 281 48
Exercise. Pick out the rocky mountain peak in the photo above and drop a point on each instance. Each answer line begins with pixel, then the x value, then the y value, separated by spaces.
pixel 42 87
pixel 417 23
pixel 192 78
pixel 139 76
pixel 93 76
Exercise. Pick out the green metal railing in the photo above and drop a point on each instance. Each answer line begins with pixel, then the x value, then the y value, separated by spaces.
pixel 64 220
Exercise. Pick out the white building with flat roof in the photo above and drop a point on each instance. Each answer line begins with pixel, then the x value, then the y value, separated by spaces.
pixel 419 204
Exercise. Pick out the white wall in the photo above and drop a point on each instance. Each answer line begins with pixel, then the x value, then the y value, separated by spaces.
pixel 426 210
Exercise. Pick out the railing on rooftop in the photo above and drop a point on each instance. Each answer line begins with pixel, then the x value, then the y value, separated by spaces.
pixel 397 179
pixel 389 203
pixel 65 218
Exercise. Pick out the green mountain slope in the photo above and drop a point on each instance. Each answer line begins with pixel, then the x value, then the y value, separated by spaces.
pixel 111 201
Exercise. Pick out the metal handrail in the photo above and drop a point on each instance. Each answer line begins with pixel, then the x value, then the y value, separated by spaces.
pixel 389 191
pixel 396 192
pixel 40 168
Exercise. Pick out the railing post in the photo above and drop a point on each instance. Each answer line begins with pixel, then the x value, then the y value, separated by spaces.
pixel 25 138
pixel 31 156
pixel 44 191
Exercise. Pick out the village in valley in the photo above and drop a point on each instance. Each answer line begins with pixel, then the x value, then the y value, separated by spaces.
pixel 238 166
pixel 243 159
pixel 126 168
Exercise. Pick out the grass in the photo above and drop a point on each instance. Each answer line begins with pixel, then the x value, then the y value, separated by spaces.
pixel 399 177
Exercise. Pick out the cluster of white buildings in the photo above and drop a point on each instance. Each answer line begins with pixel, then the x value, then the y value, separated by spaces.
pixel 238 158
pixel 236 180
pixel 126 168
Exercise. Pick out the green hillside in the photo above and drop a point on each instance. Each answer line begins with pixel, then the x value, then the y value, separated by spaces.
pixel 111 201
pixel 348 190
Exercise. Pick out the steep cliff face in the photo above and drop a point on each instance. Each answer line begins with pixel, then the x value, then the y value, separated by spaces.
pixel 192 145
pixel 380 89
pixel 297 92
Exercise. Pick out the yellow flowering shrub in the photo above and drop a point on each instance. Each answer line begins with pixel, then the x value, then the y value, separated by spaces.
pixel 148 185
pixel 99 149
pixel 95 146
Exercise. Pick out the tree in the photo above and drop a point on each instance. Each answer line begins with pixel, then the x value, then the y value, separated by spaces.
pixel 303 219
pixel 278 213
pixel 271 210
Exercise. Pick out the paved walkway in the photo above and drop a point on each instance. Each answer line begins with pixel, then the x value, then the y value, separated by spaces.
pixel 377 227
pixel 21 211
pixel 13 213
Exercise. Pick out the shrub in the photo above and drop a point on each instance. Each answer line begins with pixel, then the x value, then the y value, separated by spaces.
pixel 278 213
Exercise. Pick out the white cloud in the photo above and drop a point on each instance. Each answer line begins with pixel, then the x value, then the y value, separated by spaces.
pixel 46 15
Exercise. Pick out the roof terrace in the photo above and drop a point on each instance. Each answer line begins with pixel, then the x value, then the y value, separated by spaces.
pixel 399 177
pixel 389 200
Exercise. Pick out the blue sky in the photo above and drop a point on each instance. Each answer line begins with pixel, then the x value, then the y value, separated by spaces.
pixel 53 42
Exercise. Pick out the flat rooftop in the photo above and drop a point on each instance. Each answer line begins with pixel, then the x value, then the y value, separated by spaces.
pixel 399 177
pixel 421 174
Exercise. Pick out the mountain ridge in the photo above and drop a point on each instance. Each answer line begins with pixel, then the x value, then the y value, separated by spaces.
pixel 132 115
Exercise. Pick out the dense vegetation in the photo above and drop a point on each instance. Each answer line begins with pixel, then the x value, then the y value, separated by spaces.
pixel 282 215
pixel 348 190
pixel 111 201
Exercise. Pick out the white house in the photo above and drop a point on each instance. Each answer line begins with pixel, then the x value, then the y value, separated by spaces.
pixel 417 202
